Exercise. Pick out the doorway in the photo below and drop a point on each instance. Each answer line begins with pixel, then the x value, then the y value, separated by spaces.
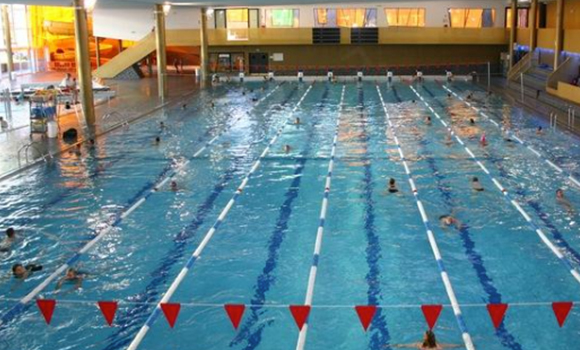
pixel 259 63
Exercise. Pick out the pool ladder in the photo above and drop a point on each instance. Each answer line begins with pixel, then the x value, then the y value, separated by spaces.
pixel 27 147
pixel 571 113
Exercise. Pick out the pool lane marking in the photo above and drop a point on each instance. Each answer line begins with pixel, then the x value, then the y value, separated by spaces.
pixel 518 207
pixel 208 236
pixel 20 306
pixel 320 231
pixel 508 132
pixel 432 241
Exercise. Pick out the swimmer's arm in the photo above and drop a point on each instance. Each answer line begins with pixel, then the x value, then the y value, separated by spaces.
pixel 59 283
pixel 450 346
pixel 405 346
pixel 79 282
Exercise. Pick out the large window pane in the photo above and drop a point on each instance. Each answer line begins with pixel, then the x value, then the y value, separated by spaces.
pixel 405 17
pixel 350 18
pixel 282 18
pixel 471 18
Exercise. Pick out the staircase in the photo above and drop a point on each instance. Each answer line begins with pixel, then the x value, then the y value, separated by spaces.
pixel 127 58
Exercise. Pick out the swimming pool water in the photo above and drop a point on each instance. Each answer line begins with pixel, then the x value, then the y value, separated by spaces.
pixel 374 251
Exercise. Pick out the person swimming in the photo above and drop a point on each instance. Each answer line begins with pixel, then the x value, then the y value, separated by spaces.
pixel 428 120
pixel 412 101
pixel 483 140
pixel 471 121
pixel 448 139
pixel 173 186
pixel 6 244
pixel 392 186
pixel 476 185
pixel 287 148
pixel 72 275
pixel 184 106
pixel 22 272
pixel 157 141
pixel 539 131
pixel 297 121
pixel 448 220
pixel 563 201
pixel 448 95
pixel 429 342
pixel 162 125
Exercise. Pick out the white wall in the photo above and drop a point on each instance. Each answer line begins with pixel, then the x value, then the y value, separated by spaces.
pixel 133 23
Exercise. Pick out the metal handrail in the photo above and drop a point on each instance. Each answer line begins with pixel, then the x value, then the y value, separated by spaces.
pixel 26 149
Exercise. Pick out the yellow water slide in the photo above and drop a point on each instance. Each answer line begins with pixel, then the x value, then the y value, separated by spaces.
pixel 142 48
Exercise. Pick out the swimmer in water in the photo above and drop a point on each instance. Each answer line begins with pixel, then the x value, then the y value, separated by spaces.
pixel 471 121
pixel 429 343
pixel 157 141
pixel 448 220
pixel 392 186
pixel 297 121
pixel 287 148
pixel 448 139
pixel 413 101
pixel 7 243
pixel 212 104
pixel 72 275
pixel 428 120
pixel 563 201
pixel 476 185
pixel 173 186
pixel 539 131
pixel 22 272
pixel 161 125
pixel 91 143
pixel 483 140
pixel 184 106
pixel 448 95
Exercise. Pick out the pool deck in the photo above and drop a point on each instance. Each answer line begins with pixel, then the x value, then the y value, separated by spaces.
pixel 133 98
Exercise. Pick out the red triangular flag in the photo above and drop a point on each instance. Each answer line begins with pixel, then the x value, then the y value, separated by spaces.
pixel 300 314
pixel 496 312
pixel 46 306
pixel 235 313
pixel 431 313
pixel 561 310
pixel 108 308
pixel 171 310
pixel 366 314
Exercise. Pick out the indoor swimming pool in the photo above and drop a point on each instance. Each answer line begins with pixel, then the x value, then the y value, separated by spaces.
pixel 257 223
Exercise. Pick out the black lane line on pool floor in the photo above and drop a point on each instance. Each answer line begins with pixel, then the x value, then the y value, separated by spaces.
pixel 149 188
pixel 247 333
pixel 476 259
pixel 379 331
pixel 136 315
pixel 555 232
pixel 558 159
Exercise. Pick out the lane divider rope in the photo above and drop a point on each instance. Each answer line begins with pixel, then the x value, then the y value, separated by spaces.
pixel 431 237
pixel 320 232
pixel 515 204
pixel 208 236
pixel 19 307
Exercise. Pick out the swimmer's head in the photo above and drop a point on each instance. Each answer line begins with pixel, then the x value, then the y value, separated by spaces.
pixel 71 273
pixel 173 185
pixel 413 101
pixel 297 121
pixel 157 139
pixel 539 128
pixel 559 193
pixel 428 118
pixel 449 94
pixel 472 121
pixel 475 179
pixel 91 142
pixel 391 181
pixel 429 340
pixel 161 124
pixel 18 270
pixel 10 232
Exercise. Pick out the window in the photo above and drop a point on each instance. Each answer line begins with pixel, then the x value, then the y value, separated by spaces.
pixel 405 17
pixel 237 22
pixel 350 18
pixel 522 20
pixel 282 18
pixel 471 18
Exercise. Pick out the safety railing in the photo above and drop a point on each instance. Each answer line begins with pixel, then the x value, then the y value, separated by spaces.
pixel 35 146
pixel 521 67
pixel 562 73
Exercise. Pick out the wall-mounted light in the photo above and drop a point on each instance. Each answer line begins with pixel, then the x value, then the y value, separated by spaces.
pixel 90 5
pixel 166 8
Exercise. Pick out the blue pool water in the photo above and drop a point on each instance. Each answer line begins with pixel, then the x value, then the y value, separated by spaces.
pixel 375 250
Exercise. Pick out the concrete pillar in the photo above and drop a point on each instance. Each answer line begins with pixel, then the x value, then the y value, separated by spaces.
pixel 204 54
pixel 559 41
pixel 532 25
pixel 513 30
pixel 83 60
pixel 7 40
pixel 98 51
pixel 161 47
